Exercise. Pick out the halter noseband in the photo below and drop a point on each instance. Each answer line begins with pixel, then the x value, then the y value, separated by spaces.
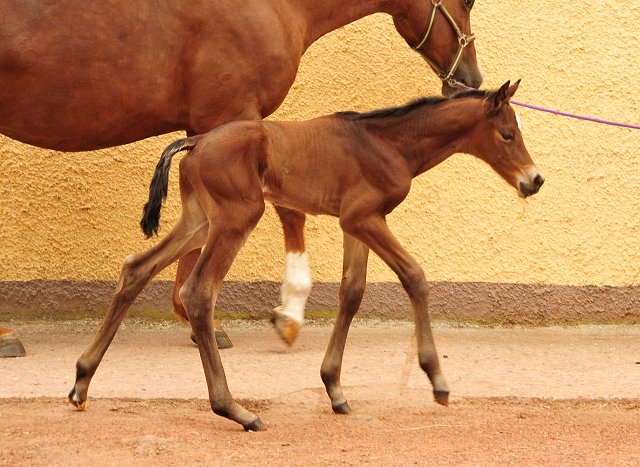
pixel 463 41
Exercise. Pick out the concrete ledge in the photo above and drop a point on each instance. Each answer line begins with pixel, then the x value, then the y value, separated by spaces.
pixel 478 301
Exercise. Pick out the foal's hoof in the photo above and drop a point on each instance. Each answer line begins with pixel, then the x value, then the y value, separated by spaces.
pixel 10 346
pixel 341 408
pixel 72 400
pixel 255 425
pixel 441 397
pixel 287 328
pixel 222 339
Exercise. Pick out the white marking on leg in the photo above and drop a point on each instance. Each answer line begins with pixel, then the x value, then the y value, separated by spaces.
pixel 296 286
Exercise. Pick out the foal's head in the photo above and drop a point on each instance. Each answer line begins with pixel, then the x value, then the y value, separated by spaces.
pixel 497 140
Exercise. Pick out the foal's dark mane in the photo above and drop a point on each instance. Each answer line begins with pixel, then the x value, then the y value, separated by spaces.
pixel 414 104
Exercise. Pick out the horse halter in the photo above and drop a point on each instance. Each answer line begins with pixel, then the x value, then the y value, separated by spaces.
pixel 463 41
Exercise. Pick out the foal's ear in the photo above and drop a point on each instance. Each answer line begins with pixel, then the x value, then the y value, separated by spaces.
pixel 501 96
pixel 512 89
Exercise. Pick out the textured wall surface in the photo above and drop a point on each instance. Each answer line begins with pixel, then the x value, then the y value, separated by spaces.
pixel 75 216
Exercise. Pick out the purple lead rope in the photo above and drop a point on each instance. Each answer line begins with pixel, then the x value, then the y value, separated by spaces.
pixel 565 114
pixel 579 117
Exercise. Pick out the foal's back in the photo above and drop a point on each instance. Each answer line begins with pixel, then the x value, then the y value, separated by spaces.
pixel 313 166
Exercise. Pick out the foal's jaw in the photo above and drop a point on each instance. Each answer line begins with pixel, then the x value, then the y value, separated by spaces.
pixel 529 182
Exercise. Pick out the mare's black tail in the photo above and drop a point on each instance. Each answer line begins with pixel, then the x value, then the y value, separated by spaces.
pixel 160 185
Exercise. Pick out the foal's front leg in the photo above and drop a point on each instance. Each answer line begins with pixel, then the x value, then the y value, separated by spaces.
pixel 352 286
pixel 375 233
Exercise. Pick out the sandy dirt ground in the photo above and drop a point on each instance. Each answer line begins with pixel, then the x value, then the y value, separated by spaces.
pixel 556 396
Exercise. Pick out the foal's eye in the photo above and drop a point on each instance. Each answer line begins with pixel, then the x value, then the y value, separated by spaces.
pixel 469 3
pixel 507 136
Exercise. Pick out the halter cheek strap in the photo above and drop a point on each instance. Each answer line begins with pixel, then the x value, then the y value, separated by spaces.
pixel 463 41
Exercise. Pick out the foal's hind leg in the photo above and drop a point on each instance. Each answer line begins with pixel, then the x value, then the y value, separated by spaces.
pixel 288 317
pixel 233 224
pixel 354 281
pixel 137 271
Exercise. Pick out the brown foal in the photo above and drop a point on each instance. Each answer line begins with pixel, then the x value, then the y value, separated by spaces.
pixel 357 167
pixel 79 78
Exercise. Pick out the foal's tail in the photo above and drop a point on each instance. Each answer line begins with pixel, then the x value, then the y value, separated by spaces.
pixel 160 185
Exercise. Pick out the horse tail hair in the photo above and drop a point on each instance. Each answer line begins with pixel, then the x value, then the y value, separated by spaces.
pixel 160 186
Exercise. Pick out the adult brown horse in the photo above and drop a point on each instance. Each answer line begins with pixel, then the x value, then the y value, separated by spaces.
pixel 357 167
pixel 77 76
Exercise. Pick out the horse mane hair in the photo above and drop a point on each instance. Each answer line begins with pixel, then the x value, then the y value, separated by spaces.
pixel 412 105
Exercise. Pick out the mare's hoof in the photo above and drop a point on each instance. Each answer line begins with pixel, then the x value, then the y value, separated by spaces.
pixel 287 328
pixel 341 408
pixel 222 339
pixel 255 425
pixel 441 397
pixel 10 346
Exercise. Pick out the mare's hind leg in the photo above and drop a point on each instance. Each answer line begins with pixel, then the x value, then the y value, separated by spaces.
pixel 137 271
pixel 229 230
pixel 288 317
pixel 374 232
pixel 352 286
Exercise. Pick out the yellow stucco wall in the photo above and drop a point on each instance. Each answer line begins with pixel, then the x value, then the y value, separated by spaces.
pixel 75 216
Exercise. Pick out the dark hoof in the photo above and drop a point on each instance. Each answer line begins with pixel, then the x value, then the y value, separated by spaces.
pixel 287 328
pixel 441 397
pixel 341 408
pixel 255 425
pixel 222 339
pixel 10 346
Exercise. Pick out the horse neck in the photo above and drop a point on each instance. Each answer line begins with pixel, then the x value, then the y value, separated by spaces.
pixel 324 16
pixel 427 136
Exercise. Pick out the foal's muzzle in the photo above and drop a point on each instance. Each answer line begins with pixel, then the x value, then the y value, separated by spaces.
pixel 531 188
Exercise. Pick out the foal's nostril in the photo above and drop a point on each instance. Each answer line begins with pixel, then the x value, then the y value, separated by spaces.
pixel 538 181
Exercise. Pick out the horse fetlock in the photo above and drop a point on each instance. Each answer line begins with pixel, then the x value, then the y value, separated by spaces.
pixel 330 378
pixel 440 386
pixel 78 397
pixel 84 369
pixel 237 413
